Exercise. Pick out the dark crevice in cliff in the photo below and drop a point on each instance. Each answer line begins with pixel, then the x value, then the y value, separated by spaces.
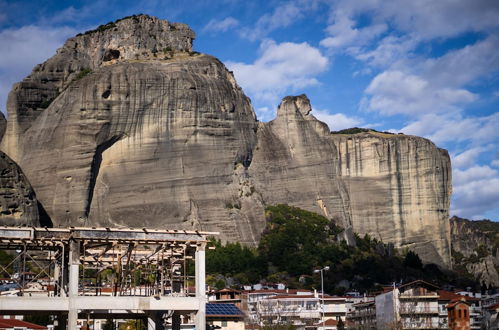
pixel 44 217
pixel 95 167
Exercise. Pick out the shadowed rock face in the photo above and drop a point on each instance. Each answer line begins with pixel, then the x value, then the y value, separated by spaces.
pixel 475 247
pixel 168 139
pixel 3 125
pixel 18 204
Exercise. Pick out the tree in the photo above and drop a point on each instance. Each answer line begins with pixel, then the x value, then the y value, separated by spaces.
pixel 109 325
pixel 231 259
pixel 136 324
pixel 412 260
pixel 40 319
pixel 296 240
pixel 271 315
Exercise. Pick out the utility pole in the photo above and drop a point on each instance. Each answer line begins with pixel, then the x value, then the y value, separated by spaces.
pixel 322 291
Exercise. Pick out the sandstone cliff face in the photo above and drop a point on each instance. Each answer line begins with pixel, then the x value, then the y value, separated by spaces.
pixel 399 188
pixel 394 187
pixel 18 203
pixel 168 139
pixel 151 141
pixel 134 38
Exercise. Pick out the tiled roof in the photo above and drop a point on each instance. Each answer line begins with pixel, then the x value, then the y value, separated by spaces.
pixel 227 290
pixel 293 297
pixel 13 323
pixel 420 283
pixel 329 322
pixel 493 307
pixel 455 302
pixel 448 296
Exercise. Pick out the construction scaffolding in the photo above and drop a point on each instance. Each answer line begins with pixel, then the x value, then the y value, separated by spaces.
pixel 83 273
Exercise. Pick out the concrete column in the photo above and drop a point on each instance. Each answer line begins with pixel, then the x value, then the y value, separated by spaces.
pixel 151 324
pixel 176 321
pixel 155 320
pixel 200 319
pixel 57 284
pixel 61 321
pixel 74 264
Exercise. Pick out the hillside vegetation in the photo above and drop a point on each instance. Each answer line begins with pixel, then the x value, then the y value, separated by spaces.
pixel 295 242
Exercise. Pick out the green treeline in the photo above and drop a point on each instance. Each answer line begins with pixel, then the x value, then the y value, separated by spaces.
pixel 295 242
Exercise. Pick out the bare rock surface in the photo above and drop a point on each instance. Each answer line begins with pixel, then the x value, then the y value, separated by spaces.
pixel 393 187
pixel 126 126
pixel 18 203
pixel 132 38
pixel 399 188
pixel 475 246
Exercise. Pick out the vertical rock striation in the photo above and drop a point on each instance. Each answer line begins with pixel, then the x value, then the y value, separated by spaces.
pixel 399 188
pixel 393 187
pixel 296 162
pixel 132 38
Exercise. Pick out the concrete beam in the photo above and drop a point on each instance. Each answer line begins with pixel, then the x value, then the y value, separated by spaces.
pixel 61 304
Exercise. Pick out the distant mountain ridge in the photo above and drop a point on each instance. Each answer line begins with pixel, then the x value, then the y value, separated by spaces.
pixel 475 247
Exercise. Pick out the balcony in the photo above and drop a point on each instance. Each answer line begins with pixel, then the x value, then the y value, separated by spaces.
pixel 416 310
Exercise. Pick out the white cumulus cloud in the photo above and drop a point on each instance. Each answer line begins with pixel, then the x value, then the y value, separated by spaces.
pixel 23 48
pixel 476 191
pixel 397 92
pixel 336 121
pixel 282 16
pixel 280 68
pixel 467 158
pixel 442 128
pixel 221 25
pixel 425 19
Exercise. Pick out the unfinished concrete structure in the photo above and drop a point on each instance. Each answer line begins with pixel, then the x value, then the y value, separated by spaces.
pixel 83 273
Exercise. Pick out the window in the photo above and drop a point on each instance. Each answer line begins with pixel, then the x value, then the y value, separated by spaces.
pixel 460 314
pixel 224 324
pixel 465 313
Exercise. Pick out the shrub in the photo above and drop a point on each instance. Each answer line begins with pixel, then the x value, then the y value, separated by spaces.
pixel 82 73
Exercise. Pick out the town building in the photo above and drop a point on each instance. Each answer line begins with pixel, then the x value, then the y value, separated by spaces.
pixel 491 317
pixel 475 311
pixel 224 316
pixel 226 295
pixel 15 324
pixel 459 314
pixel 363 315
pixel 409 306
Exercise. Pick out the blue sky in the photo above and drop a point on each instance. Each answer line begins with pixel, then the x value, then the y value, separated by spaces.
pixel 428 68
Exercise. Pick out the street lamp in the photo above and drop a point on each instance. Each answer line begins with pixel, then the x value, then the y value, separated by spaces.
pixel 322 290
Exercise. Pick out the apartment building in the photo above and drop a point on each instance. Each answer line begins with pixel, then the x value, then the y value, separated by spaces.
pixel 410 306
pixel 362 315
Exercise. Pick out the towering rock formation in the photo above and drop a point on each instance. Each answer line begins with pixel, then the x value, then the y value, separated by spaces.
pixel 126 126
pixel 394 187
